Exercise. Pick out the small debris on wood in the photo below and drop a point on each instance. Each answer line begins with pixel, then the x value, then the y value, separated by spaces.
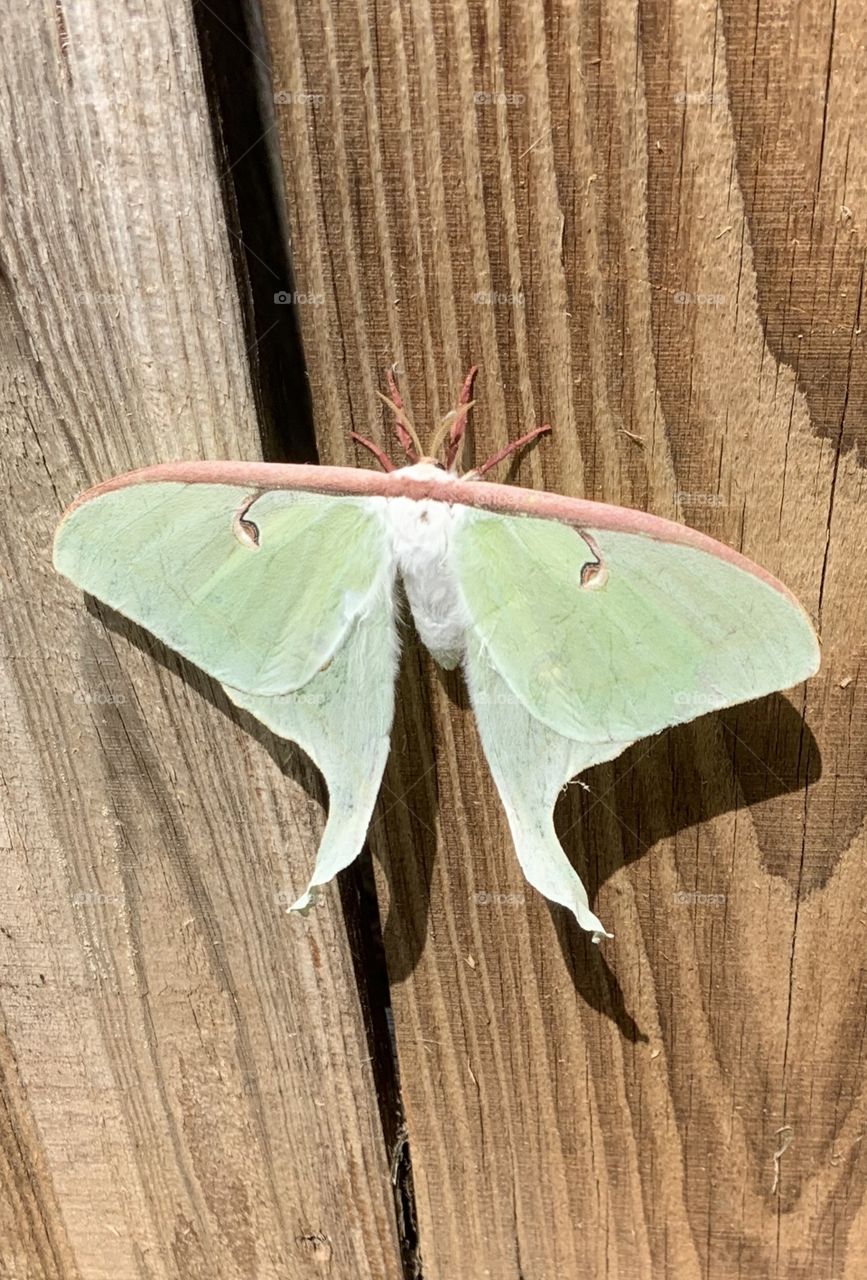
pixel 400 1142
pixel 781 1150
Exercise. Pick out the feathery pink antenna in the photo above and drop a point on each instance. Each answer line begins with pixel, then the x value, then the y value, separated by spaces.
pixel 452 428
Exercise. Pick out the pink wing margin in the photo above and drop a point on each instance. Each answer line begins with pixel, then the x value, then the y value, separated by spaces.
pixel 502 498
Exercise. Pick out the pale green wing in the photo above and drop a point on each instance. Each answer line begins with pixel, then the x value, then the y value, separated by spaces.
pixel 531 764
pixel 342 719
pixel 284 597
pixel 575 649
pixel 258 590
pixel 661 632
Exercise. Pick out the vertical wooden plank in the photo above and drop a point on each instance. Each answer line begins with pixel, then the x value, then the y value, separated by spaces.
pixel 186 1074
pixel 645 231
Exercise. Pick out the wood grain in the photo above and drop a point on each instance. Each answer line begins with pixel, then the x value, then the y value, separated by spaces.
pixel 186 1079
pixel 646 223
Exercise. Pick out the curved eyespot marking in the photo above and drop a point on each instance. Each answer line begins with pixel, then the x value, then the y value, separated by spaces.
pixel 245 530
pixel 594 573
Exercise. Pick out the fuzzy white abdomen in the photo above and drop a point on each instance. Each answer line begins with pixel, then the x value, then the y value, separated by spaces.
pixel 421 536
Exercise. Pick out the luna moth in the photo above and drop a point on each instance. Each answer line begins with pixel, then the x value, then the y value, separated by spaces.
pixel 581 627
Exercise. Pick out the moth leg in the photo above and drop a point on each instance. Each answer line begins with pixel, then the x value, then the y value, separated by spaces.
pixel 382 458
pixel 497 458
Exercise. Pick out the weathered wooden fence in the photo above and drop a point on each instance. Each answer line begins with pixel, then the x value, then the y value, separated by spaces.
pixel 647 223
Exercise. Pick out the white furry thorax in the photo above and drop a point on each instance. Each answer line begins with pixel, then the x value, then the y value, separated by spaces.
pixel 421 536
